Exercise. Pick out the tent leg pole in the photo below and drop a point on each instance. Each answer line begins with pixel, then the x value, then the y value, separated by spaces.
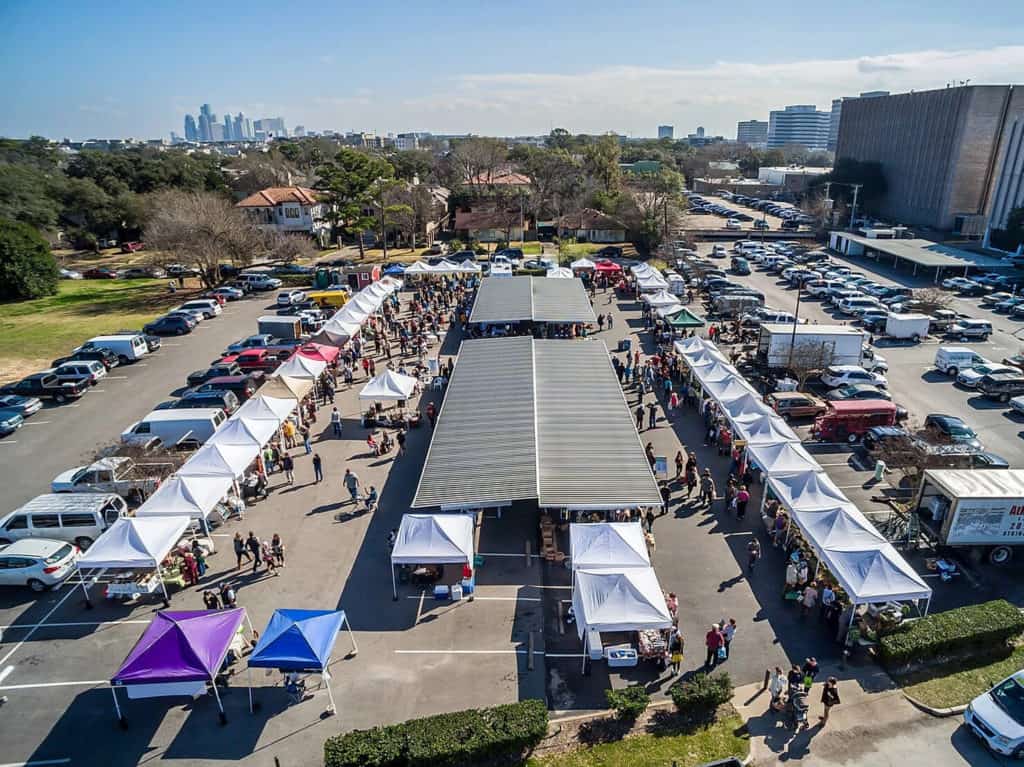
pixel 220 706
pixel 330 695
pixel 583 668
pixel 117 707
pixel 163 586
pixel 252 703
pixel 351 634
pixel 394 588
pixel 85 590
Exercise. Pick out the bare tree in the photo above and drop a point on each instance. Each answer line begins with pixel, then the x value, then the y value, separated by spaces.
pixel 477 160
pixel 929 300
pixel 806 360
pixel 202 229
pixel 288 247
pixel 413 207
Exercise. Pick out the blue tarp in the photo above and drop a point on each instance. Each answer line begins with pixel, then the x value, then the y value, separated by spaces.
pixel 298 640
pixel 395 269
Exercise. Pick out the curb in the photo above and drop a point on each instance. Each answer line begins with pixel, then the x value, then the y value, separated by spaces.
pixel 936 712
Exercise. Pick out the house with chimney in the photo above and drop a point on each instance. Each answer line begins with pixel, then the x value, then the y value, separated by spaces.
pixel 289 209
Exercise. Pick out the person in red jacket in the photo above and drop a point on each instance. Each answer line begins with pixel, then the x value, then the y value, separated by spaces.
pixel 714 640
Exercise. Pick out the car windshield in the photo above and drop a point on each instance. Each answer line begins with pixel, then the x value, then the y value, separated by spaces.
pixel 59 554
pixel 1009 696
pixel 959 430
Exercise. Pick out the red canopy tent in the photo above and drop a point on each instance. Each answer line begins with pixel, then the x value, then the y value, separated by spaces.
pixel 607 267
pixel 319 352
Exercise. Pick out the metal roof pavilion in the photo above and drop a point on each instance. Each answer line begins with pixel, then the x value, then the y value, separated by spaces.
pixel 535 419
pixel 924 252
pixel 539 299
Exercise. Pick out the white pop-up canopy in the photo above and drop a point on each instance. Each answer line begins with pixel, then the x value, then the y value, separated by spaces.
pixel 364 302
pixel 263 408
pixel 194 496
pixel 244 431
pixel 469 266
pixel 219 460
pixel 607 544
pixel 582 263
pixel 420 267
pixel 626 600
pixel 651 282
pixel 691 345
pixel 641 269
pixel 300 366
pixel 133 543
pixel 840 528
pixel 351 313
pixel 807 491
pixel 878 574
pixel 389 385
pixel 661 298
pixel 337 331
pixel 782 458
pixel 728 389
pixel 762 428
pixel 718 372
pixel 286 387
pixel 668 310
pixel 427 539
pixel 745 410
pixel 560 272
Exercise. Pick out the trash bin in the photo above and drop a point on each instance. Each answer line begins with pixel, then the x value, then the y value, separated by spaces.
pixel 625 344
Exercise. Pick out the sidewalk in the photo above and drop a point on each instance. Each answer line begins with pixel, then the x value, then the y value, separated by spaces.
pixel 872 710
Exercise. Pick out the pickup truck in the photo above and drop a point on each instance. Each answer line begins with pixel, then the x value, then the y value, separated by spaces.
pixel 117 474
pixel 46 386
pixel 218 369
pixel 256 359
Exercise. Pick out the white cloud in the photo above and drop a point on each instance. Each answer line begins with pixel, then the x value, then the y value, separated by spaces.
pixel 635 99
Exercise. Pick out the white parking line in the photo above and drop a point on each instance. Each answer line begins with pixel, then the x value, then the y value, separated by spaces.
pixel 83 683
pixel 70 623
pixel 36 423
pixel 172 344
pixel 28 636
pixel 117 378
pixel 495 599
pixel 6 673
pixel 37 762
pixel 9 442
pixel 844 463
pixel 99 391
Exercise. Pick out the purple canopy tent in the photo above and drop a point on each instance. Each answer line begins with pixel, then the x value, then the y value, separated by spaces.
pixel 180 647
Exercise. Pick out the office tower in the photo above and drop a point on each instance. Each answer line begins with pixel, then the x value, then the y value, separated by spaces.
pixel 752 132
pixel 801 124
pixel 228 132
pixel 204 127
pixel 837 114
pixel 666 131
pixel 952 158
pixel 700 131
pixel 247 130
pixel 216 132
pixel 300 131
pixel 191 131
pixel 272 126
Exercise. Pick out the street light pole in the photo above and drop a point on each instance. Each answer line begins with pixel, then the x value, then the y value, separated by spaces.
pixel 853 208
pixel 796 320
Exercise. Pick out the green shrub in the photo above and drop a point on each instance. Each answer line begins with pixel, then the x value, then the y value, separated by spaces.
pixel 460 739
pixel 702 695
pixel 630 702
pixel 27 268
pixel 978 628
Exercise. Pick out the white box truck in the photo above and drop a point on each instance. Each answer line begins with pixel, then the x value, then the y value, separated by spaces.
pixel 824 345
pixel 280 327
pixel 980 511
pixel 907 327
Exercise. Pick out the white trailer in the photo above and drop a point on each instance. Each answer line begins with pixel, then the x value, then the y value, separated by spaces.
pixel 907 327
pixel 981 511
pixel 279 326
pixel 779 345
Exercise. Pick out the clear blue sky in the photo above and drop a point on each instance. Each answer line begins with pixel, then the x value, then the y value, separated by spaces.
pixel 92 68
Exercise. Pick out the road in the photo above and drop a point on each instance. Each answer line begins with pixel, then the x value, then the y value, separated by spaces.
pixel 60 437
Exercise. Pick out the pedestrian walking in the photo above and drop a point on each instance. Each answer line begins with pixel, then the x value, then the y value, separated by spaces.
pixel 777 686
pixel 753 554
pixel 666 498
pixel 268 557
pixel 691 479
pixel 400 439
pixel 277 549
pixel 289 468
pixel 318 468
pixel 810 670
pixel 432 413
pixel 728 632
pixel 304 431
pixel 652 415
pixel 336 422
pixel 809 600
pixel 708 493
pixel 640 417
pixel 253 544
pixel 829 698
pixel 675 651
pixel 351 481
pixel 611 321
pixel 742 499
pixel 649 520
pixel 714 641
pixel 679 464
pixel 240 551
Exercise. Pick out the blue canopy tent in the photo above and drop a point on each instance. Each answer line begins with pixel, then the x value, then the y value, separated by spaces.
pixel 301 640
pixel 395 269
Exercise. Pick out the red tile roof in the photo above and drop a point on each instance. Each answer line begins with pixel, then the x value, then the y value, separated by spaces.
pixel 501 178
pixel 276 195
pixel 482 218
pixel 588 218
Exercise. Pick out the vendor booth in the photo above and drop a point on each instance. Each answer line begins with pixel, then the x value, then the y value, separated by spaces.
pixel 582 264
pixel 660 298
pixel 628 601
pixel 426 543
pixel 610 268
pixel 615 545
pixel 806 491
pixel 651 282
pixel 135 549
pixel 179 654
pixel 219 460
pixel 782 458
pixel 560 272
pixel 684 319
pixel 195 496
pixel 388 386
pixel 337 331
pixel 301 641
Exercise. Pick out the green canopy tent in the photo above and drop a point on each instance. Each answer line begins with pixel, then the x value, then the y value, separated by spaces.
pixel 684 319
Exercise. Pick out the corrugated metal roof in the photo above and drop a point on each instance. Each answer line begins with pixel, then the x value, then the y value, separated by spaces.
pixel 483 450
pixel 531 298
pixel 535 419
pixel 967 483
pixel 589 452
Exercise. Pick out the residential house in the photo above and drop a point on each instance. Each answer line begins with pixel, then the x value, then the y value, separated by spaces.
pixel 502 178
pixel 288 209
pixel 589 225
pixel 486 223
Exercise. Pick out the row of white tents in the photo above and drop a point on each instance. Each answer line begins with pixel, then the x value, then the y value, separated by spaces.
pixel 195 490
pixel 648 279
pixel 347 321
pixel 444 266
pixel 865 564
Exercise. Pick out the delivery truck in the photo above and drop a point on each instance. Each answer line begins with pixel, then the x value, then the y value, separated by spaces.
pixel 907 327
pixel 280 327
pixel 780 345
pixel 981 512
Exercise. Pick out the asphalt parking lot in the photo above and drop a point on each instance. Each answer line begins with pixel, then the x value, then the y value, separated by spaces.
pixel 712 221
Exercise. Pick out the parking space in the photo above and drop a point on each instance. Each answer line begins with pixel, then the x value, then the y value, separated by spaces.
pixel 746 216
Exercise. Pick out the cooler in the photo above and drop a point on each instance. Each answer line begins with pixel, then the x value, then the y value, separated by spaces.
pixel 456 592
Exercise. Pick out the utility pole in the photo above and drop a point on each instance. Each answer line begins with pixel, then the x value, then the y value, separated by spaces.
pixel 796 321
pixel 853 208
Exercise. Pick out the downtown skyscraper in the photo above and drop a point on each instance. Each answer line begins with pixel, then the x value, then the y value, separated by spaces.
pixel 207 128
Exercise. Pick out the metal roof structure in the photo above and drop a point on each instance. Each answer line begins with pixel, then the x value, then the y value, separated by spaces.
pixel 538 299
pixel 925 252
pixel 531 419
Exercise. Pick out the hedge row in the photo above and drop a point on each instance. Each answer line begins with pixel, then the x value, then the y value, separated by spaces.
pixel 701 696
pixel 975 627
pixel 460 739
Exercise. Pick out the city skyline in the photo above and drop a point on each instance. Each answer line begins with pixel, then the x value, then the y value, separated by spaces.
pixel 641 83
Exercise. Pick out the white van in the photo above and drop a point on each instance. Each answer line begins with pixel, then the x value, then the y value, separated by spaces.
pixel 952 359
pixel 127 348
pixel 967 328
pixel 208 306
pixel 183 427
pixel 77 518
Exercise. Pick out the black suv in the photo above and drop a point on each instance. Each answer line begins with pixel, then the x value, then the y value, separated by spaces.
pixel 199 377
pixel 99 354
pixel 48 387
pixel 1002 386
pixel 168 326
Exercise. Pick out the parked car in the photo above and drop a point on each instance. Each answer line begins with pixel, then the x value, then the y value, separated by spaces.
pixel 100 273
pixel 23 406
pixel 243 386
pixel 97 354
pixel 228 293
pixel 1002 386
pixel 226 400
pixel 70 274
pixel 142 273
pixel 956 283
pixel 950 428
pixel 1017 361
pixel 11 420
pixel 153 343
pixel 169 326
pixel 856 392
pixel 256 359
pixel 609 251
pixel 796 405
pixel 841 375
pixel 131 247
pixel 971 377
pixel 223 368
pixel 46 386
pixel 38 563
pixel 289 297
pixel 967 328
pixel 256 341
pixel 118 474
pixel 209 307
pixel 197 315
pixel 81 370
pixel 997 716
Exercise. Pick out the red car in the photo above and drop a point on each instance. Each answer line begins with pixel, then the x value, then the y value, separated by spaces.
pixel 131 247
pixel 100 273
pixel 253 359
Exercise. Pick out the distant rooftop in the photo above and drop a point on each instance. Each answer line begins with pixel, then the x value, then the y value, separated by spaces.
pixel 926 252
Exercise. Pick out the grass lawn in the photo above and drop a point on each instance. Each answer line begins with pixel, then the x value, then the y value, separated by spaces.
pixel 719 740
pixel 33 333
pixel 958 683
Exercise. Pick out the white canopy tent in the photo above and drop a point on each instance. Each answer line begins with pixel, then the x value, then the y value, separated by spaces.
pixel 389 385
pixel 220 460
pixel 668 311
pixel 743 409
pixel 688 346
pixel 420 267
pixel 425 539
pixel 661 298
pixel 594 545
pixel 351 314
pixel 194 496
pixel 244 431
pixel 715 371
pixel 782 458
pixel 300 366
pixel 807 491
pixel 133 543
pixel 286 387
pixel 650 283
pixel 876 574
pixel 610 600
pixel 839 528
pixel 641 269
pixel 582 263
pixel 727 389
pixel 762 428
pixel 337 331
pixel 365 302
pixel 561 273
pixel 470 267
pixel 264 408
